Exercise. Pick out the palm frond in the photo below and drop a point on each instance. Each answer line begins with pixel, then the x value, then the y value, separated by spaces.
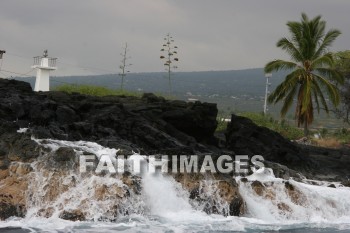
pixel 325 60
pixel 290 48
pixel 316 101
pixel 328 39
pixel 288 101
pixel 319 93
pixel 282 89
pixel 296 33
pixel 279 65
pixel 331 74
pixel 330 88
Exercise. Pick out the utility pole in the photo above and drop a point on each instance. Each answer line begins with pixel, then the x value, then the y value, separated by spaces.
pixel 124 65
pixel 267 75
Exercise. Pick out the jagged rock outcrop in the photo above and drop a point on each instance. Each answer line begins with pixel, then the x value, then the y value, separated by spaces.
pixel 334 164
pixel 150 124
pixel 246 138
pixel 13 184
pixel 287 158
pixel 221 191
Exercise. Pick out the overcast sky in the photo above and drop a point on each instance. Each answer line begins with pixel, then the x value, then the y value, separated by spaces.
pixel 210 34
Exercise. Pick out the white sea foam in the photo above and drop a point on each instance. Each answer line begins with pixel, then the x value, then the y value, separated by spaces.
pixel 312 203
pixel 22 130
pixel 163 205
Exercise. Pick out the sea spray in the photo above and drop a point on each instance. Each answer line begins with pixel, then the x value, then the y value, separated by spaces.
pixel 276 200
pixel 59 190
pixel 209 199
pixel 164 195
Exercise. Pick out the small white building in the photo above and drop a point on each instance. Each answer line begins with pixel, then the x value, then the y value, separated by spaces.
pixel 44 65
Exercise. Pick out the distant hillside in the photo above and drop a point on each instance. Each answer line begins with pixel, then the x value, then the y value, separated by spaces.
pixel 234 82
pixel 224 87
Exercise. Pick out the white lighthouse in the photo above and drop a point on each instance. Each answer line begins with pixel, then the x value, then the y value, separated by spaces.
pixel 44 65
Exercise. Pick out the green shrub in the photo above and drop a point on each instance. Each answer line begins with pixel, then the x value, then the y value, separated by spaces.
pixel 324 132
pixel 222 125
pixel 343 135
pixel 94 90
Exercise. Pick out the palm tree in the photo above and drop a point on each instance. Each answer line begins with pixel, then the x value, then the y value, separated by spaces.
pixel 312 78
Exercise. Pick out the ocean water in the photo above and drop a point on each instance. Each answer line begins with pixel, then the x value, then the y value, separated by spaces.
pixel 159 224
pixel 164 206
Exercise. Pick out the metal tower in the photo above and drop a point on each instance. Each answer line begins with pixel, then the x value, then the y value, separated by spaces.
pixel 267 75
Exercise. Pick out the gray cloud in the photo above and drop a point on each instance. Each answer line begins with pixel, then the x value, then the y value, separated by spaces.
pixel 211 35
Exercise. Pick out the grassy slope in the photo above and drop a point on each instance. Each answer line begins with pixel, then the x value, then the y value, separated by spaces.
pixel 93 90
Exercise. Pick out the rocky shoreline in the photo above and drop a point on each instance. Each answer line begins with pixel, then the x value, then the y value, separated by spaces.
pixel 148 125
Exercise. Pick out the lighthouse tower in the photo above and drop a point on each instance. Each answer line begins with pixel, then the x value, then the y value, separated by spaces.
pixel 44 65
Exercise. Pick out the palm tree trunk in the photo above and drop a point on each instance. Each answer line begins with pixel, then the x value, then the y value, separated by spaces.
pixel 306 131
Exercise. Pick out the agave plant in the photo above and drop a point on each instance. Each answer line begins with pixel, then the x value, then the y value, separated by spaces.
pixel 313 77
pixel 169 51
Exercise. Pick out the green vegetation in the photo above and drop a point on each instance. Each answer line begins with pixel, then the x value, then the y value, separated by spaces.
pixel 333 139
pixel 342 135
pixel 313 77
pixel 342 61
pixel 94 90
pixel 222 124
pixel 103 91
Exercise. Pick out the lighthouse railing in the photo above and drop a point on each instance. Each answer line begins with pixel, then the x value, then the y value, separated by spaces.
pixel 51 61
pixel 37 61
